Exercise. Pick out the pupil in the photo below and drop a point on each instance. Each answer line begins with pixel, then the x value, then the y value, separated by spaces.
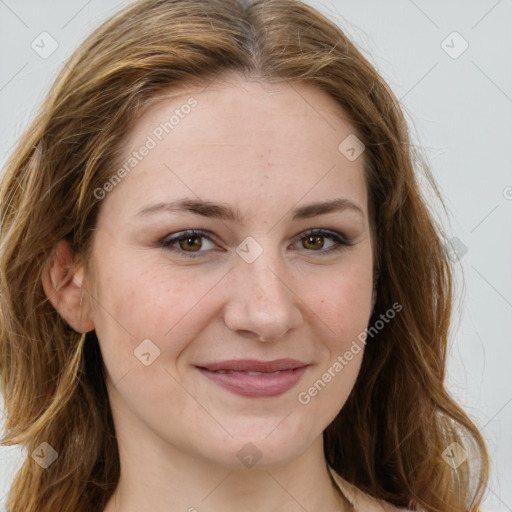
pixel 314 238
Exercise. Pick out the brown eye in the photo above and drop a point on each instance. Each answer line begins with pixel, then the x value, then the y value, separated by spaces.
pixel 191 242
pixel 314 240
pixel 188 243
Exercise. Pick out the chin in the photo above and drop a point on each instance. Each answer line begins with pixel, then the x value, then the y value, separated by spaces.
pixel 258 450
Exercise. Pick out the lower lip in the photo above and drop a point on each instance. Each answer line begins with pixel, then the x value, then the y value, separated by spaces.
pixel 256 386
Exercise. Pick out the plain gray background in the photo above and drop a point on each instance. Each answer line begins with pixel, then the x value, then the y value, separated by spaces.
pixel 459 105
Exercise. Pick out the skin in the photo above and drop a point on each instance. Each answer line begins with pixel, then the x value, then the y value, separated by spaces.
pixel 264 149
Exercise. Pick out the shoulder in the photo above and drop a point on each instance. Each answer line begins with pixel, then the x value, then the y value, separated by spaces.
pixel 361 501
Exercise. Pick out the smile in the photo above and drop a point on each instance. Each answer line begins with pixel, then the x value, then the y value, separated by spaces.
pixel 265 382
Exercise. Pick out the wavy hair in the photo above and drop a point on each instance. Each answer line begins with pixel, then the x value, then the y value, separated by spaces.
pixel 390 436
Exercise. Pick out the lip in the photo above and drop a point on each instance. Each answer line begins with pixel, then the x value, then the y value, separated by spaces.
pixel 267 384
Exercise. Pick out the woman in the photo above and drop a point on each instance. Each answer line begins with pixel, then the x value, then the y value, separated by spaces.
pixel 221 287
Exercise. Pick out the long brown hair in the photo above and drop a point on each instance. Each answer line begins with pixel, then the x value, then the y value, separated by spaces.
pixel 390 437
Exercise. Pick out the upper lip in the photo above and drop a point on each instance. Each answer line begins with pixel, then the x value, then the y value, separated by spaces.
pixel 254 365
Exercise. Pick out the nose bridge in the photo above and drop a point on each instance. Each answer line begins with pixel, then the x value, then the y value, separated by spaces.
pixel 264 278
pixel 263 302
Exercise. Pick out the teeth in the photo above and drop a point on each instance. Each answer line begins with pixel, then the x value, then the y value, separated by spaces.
pixel 262 373
pixel 246 373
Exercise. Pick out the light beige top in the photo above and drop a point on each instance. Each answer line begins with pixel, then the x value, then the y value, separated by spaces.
pixel 360 501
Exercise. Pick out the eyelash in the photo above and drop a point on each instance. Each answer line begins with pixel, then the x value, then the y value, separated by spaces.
pixel 341 241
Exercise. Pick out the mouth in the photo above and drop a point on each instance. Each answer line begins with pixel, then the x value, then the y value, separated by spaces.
pixel 255 379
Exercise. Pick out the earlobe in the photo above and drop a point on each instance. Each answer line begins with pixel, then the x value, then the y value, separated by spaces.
pixel 62 285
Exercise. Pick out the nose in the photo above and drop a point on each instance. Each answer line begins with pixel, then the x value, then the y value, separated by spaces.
pixel 261 302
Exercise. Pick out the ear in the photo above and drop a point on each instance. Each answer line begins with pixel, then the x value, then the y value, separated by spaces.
pixel 63 286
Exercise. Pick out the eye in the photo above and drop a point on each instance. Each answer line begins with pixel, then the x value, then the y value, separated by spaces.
pixel 187 243
pixel 314 241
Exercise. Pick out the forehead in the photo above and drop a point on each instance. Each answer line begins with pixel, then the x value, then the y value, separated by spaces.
pixel 237 140
pixel 254 107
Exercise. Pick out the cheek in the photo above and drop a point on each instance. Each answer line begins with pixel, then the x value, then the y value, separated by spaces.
pixel 342 299
pixel 138 300
pixel 325 393
pixel 342 304
pixel 343 308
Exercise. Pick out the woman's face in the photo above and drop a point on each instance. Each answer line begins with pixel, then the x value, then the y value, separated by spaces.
pixel 241 163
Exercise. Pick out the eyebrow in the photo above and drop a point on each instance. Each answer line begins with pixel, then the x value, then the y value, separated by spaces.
pixel 228 213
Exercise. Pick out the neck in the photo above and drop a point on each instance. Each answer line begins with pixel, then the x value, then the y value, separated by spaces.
pixel 182 483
